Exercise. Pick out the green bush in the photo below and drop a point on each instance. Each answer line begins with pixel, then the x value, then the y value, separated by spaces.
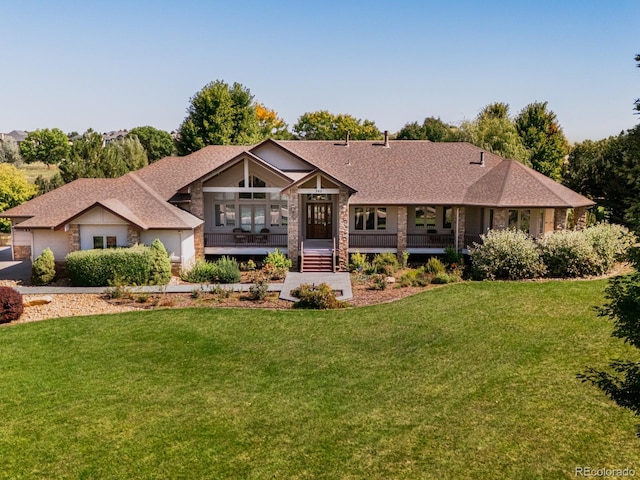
pixel 569 254
pixel 358 262
pixel 434 266
pixel 201 272
pixel 386 263
pixel 160 268
pixel 452 258
pixel 43 270
pixel 259 289
pixel 506 254
pixel 444 278
pixel 276 265
pixel 99 268
pixel 414 278
pixel 227 270
pixel 319 297
pixel 11 306
pixel 610 242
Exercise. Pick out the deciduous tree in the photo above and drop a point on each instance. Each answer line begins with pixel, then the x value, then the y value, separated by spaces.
pixel 272 126
pixel 219 114
pixel 49 146
pixel 157 143
pixel 322 125
pixel 14 190
pixel 10 152
pixel 432 129
pixel 543 137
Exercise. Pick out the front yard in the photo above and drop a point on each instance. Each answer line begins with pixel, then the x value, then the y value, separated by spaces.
pixel 474 380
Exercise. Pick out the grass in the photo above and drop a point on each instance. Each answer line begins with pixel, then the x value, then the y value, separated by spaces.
pixel 468 381
pixel 32 170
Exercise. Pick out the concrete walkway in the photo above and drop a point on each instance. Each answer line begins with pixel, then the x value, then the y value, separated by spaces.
pixel 340 282
pixel 10 270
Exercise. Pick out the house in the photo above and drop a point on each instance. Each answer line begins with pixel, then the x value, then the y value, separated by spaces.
pixel 17 135
pixel 317 201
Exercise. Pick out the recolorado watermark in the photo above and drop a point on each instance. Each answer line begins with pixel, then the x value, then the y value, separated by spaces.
pixel 604 472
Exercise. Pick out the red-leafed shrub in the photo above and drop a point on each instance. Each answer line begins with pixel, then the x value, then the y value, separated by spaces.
pixel 11 306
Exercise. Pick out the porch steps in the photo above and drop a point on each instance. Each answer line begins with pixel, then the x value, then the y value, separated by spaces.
pixel 317 262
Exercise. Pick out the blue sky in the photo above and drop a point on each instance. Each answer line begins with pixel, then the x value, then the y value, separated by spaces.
pixel 121 64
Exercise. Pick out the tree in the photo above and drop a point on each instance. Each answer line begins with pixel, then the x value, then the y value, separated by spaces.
pixel 637 102
pixel 14 190
pixel 46 146
pixel 157 143
pixel 45 185
pixel 322 125
pixel 89 159
pixel 493 130
pixel 432 129
pixel 543 137
pixel 219 115
pixel 271 126
pixel 622 382
pixel 10 152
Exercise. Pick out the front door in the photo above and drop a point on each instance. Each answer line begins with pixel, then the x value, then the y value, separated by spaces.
pixel 319 220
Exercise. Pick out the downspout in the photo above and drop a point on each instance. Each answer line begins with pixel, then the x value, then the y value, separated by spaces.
pixel 457 228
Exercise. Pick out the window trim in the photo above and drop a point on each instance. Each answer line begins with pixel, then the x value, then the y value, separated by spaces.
pixel 377 226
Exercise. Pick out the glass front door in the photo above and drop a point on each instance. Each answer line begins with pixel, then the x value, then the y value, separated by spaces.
pixel 319 220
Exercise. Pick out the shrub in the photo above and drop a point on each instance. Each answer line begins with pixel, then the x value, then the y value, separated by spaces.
pixel 319 297
pixel 379 282
pixel 160 264
pixel 444 278
pixel 358 262
pixel 201 272
pixel 610 242
pixel 97 268
pixel 386 263
pixel 569 253
pixel 260 287
pixel 434 266
pixel 248 266
pixel 506 254
pixel 404 262
pixel 43 270
pixel 11 306
pixel 414 278
pixel 226 270
pixel 452 258
pixel 276 265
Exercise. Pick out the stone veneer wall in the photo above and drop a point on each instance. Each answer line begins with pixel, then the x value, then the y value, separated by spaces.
pixel 580 218
pixel 73 238
pixel 560 219
pixel 133 236
pixel 293 228
pixel 197 209
pixel 22 252
pixel 461 219
pixel 402 231
pixel 343 230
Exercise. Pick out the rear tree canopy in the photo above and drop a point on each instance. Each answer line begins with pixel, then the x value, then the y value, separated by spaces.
pixel 322 125
pixel 14 190
pixel 543 137
pixel 157 143
pixel 219 114
pixel 271 126
pixel 432 129
pixel 46 146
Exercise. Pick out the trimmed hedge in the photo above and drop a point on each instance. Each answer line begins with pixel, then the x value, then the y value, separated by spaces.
pixel 136 265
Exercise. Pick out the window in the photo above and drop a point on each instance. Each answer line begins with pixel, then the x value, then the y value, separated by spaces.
pixel 101 241
pixel 225 214
pixel 371 218
pixel 447 217
pixel 520 220
pixel 252 218
pixel 425 217
pixel 279 215
pixel 541 222
pixel 254 182
pixel 320 197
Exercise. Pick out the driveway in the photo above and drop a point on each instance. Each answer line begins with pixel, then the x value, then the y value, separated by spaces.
pixel 10 270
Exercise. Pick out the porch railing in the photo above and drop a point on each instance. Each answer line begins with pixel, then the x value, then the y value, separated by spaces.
pixel 430 240
pixel 244 239
pixel 373 240
pixel 469 239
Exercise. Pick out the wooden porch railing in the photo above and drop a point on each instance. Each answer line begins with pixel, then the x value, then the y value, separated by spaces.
pixel 244 239
pixel 373 240
pixel 430 240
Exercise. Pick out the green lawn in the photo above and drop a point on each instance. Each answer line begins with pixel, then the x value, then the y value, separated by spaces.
pixel 474 380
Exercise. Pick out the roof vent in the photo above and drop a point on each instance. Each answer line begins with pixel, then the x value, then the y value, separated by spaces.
pixel 346 138
pixel 386 138
pixel 482 159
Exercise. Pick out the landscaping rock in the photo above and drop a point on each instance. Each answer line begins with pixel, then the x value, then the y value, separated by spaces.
pixel 43 300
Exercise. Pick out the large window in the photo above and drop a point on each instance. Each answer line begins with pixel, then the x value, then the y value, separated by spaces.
pixel 225 214
pixel 371 218
pixel 252 218
pixel 232 210
pixel 447 217
pixel 256 183
pixel 520 220
pixel 425 217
